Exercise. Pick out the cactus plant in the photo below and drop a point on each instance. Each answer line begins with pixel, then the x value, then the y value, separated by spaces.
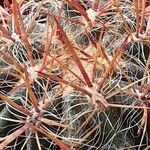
pixel 74 75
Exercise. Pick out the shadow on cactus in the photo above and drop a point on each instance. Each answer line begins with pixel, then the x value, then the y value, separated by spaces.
pixel 74 75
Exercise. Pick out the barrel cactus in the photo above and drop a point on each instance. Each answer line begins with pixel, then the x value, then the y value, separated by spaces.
pixel 74 75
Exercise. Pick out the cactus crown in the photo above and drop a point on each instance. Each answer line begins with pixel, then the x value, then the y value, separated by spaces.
pixel 74 74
